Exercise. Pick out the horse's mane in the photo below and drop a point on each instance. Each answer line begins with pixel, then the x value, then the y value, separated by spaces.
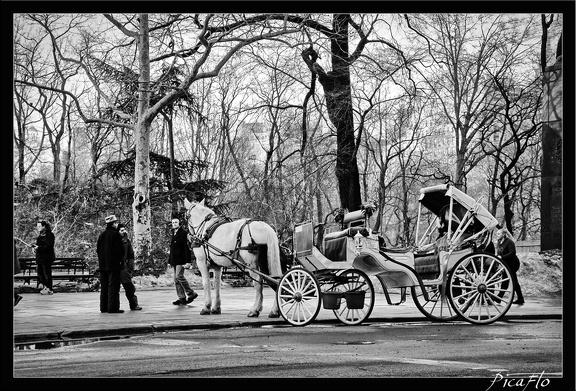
pixel 200 210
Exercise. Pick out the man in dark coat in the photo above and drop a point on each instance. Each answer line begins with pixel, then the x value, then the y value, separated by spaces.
pixel 126 272
pixel 180 254
pixel 110 249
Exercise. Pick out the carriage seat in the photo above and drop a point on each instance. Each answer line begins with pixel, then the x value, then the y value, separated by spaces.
pixel 335 243
pixel 354 218
pixel 427 266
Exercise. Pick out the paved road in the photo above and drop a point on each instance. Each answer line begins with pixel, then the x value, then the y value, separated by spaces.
pixel 77 315
pixel 377 350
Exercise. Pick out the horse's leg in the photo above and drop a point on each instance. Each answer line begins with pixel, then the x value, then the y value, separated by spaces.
pixel 205 285
pixel 257 307
pixel 275 311
pixel 217 284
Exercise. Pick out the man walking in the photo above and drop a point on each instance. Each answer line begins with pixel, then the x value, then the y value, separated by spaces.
pixel 110 250
pixel 180 254
pixel 126 272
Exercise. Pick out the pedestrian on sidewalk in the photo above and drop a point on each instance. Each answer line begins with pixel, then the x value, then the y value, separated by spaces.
pixel 128 269
pixel 110 250
pixel 180 255
pixel 506 249
pixel 17 270
pixel 45 255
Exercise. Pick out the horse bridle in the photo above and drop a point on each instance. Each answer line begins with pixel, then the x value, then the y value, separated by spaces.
pixel 200 228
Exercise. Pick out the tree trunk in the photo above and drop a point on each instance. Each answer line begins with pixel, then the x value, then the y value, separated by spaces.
pixel 141 204
pixel 336 84
pixel 508 214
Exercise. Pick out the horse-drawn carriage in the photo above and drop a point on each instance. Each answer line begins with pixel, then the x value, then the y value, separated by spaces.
pixel 452 276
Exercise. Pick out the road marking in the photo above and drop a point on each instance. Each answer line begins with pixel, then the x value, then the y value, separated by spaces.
pixel 422 361
pixel 165 341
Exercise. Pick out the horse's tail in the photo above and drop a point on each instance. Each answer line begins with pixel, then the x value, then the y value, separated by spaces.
pixel 273 254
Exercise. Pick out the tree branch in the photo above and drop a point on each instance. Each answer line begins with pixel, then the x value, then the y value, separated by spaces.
pixel 116 23
pixel 80 112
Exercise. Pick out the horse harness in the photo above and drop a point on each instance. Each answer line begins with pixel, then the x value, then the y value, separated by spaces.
pixel 209 231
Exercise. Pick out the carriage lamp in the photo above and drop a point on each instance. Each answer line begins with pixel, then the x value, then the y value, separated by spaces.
pixel 359 241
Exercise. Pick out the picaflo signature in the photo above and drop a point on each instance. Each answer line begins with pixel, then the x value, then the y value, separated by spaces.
pixel 534 381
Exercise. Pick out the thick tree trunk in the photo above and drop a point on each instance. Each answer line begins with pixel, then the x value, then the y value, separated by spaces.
pixel 141 204
pixel 336 84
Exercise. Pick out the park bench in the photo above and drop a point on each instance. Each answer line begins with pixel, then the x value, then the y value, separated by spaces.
pixel 71 269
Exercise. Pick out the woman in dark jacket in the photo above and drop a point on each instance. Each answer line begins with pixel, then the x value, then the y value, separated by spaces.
pixel 17 270
pixel 45 256
pixel 506 249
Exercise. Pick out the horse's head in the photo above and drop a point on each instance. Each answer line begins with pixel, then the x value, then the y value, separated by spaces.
pixel 196 214
pixel 189 205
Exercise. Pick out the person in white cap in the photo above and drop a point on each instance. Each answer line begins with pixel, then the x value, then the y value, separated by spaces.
pixel 110 249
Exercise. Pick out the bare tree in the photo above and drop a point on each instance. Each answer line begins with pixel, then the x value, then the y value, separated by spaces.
pixel 464 51
pixel 520 124
pixel 26 61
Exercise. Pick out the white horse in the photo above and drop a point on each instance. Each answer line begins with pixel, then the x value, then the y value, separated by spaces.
pixel 232 237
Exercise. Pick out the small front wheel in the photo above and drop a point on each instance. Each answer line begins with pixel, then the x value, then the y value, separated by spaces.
pixel 481 288
pixel 298 296
pixel 356 281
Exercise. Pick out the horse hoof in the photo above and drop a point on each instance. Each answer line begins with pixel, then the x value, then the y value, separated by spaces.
pixel 253 314
pixel 216 312
pixel 273 315
pixel 205 312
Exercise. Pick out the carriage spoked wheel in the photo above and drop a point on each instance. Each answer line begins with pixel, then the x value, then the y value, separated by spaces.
pixel 354 310
pixel 481 288
pixel 298 296
pixel 438 306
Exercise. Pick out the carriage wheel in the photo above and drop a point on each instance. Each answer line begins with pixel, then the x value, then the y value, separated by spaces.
pixel 481 288
pixel 298 296
pixel 354 280
pixel 437 307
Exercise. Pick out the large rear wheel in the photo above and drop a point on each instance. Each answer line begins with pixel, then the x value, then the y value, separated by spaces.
pixel 437 307
pixel 298 296
pixel 481 288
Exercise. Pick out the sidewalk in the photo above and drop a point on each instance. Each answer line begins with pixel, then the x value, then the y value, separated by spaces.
pixel 64 316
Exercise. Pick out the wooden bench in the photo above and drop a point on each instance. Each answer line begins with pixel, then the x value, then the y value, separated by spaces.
pixel 71 269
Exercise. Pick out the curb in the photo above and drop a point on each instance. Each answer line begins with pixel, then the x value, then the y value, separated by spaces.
pixel 126 332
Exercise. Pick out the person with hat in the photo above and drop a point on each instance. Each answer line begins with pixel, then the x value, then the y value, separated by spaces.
pixel 110 250
pixel 128 268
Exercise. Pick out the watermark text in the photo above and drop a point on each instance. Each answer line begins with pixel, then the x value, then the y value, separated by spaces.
pixel 534 381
